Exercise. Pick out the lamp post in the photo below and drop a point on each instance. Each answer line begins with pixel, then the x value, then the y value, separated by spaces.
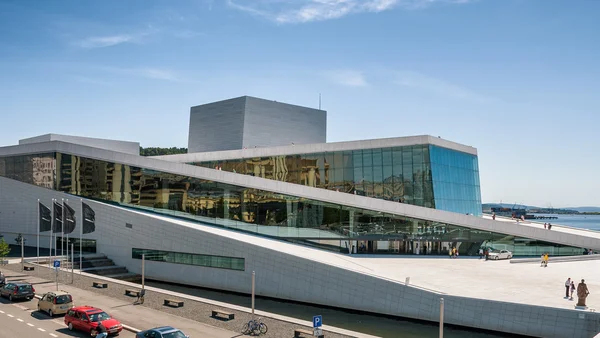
pixel 253 284
pixel 143 270
pixel 72 267
pixel 441 317
pixel 22 252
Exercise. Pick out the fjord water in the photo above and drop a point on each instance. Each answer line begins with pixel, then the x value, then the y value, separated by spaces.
pixel 590 222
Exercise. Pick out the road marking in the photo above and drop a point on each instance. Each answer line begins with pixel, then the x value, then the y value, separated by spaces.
pixel 39 328
pixel 8 314
pixel 19 319
pixel 1 311
pixel 21 307
pixel 53 335
pixel 30 324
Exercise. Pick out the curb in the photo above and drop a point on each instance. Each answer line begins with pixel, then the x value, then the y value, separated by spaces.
pixel 125 327
pixel 130 329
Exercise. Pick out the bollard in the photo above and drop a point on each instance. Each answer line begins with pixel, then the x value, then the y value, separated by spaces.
pixel 407 281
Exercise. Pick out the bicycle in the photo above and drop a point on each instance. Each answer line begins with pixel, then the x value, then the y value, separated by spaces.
pixel 255 327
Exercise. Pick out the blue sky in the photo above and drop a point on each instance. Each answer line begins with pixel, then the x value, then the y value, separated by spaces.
pixel 517 79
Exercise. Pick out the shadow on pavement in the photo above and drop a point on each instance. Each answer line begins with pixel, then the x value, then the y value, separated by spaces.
pixel 16 301
pixel 16 276
pixel 66 332
pixel 39 315
pixel 47 282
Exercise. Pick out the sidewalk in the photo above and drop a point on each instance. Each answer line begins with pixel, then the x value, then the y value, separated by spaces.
pixel 139 317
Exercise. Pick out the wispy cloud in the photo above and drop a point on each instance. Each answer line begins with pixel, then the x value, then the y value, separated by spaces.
pixel 439 87
pixel 349 78
pixel 103 41
pixel 157 74
pixel 300 11
pixel 92 42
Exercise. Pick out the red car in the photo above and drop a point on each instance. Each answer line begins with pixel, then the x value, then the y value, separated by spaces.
pixel 86 318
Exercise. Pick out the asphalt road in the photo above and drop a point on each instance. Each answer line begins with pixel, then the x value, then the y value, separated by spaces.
pixel 21 319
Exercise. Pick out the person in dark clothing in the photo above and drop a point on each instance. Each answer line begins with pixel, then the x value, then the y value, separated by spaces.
pixel 101 331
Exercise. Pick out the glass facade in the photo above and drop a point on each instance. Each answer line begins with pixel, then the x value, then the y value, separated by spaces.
pixel 221 262
pixel 455 181
pixel 310 222
pixel 422 175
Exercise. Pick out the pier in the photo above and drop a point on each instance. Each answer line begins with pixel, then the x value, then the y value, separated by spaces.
pixel 543 217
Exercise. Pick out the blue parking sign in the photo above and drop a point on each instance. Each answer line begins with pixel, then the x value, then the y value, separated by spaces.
pixel 317 321
pixel 57 264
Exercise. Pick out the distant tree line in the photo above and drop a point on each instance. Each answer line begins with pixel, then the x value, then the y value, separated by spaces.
pixel 157 151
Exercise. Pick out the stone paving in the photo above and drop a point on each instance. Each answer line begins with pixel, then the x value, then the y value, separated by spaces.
pixel 525 283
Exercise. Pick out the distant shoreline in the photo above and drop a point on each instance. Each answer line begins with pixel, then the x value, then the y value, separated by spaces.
pixel 566 213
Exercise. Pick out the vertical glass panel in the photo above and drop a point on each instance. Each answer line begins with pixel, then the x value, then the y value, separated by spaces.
pixel 386 156
pixel 357 157
pixel 368 174
pixel 397 156
pixel 367 156
pixel 377 157
pixel 348 159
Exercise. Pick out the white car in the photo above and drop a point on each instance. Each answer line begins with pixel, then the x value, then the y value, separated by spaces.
pixel 500 254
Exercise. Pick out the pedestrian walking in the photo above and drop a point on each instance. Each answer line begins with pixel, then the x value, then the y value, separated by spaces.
pixel 573 288
pixel 542 260
pixel 567 287
pixel 480 253
pixel 545 225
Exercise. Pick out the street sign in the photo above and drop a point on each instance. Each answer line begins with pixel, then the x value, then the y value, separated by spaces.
pixel 318 321
pixel 57 264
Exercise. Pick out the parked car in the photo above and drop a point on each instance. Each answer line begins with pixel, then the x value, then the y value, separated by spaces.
pixel 86 319
pixel 20 290
pixel 500 254
pixel 55 303
pixel 162 332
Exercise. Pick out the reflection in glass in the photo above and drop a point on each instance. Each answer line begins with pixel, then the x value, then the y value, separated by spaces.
pixel 270 214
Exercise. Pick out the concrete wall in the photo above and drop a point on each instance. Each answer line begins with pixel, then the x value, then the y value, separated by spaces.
pixel 252 122
pixel 217 126
pixel 114 145
pixel 283 270
pixel 270 123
